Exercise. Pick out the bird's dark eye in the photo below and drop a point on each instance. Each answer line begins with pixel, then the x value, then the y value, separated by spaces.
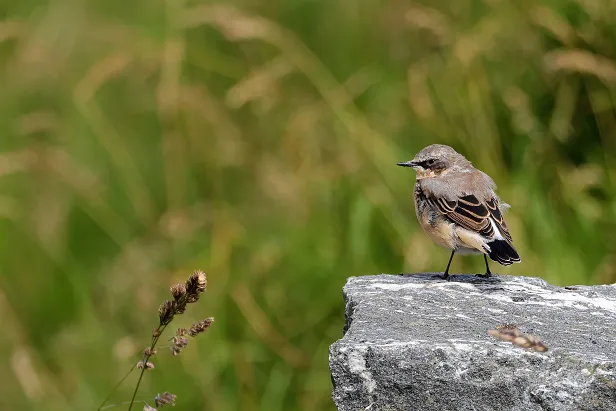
pixel 430 162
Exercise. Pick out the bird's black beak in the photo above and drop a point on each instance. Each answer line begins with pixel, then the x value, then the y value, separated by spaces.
pixel 407 164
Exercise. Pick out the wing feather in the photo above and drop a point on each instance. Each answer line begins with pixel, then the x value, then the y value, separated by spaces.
pixel 474 214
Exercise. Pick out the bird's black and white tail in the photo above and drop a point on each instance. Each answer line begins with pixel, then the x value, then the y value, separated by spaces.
pixel 502 252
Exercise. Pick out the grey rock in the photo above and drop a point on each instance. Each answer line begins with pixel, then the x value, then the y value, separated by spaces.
pixel 416 342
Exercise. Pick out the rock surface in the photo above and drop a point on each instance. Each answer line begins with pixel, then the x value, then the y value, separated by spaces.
pixel 416 342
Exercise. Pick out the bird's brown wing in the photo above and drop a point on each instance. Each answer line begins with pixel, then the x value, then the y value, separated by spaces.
pixel 497 217
pixel 473 214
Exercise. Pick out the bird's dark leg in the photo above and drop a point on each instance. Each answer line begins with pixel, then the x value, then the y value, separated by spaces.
pixel 488 272
pixel 446 275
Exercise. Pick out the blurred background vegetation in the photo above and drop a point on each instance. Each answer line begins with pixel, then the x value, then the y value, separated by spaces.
pixel 257 141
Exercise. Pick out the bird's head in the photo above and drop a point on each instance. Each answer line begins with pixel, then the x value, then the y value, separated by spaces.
pixel 437 160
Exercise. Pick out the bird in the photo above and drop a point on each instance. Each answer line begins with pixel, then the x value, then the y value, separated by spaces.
pixel 457 207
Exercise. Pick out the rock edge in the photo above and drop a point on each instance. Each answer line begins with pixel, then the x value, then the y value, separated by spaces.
pixel 415 342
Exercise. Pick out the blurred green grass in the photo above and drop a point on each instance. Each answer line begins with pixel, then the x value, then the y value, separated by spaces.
pixel 257 141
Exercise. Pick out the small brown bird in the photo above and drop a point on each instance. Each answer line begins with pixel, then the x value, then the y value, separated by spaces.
pixel 457 207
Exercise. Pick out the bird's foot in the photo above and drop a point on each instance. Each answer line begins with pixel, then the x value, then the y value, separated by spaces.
pixel 486 275
pixel 445 276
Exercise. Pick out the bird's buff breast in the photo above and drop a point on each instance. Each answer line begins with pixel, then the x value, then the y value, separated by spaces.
pixel 437 227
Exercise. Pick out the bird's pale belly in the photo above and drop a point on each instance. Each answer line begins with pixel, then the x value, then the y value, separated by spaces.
pixel 447 234
pixel 438 228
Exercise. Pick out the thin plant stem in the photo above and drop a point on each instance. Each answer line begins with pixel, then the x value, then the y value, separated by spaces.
pixel 102 406
pixel 146 357
pixel 183 294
